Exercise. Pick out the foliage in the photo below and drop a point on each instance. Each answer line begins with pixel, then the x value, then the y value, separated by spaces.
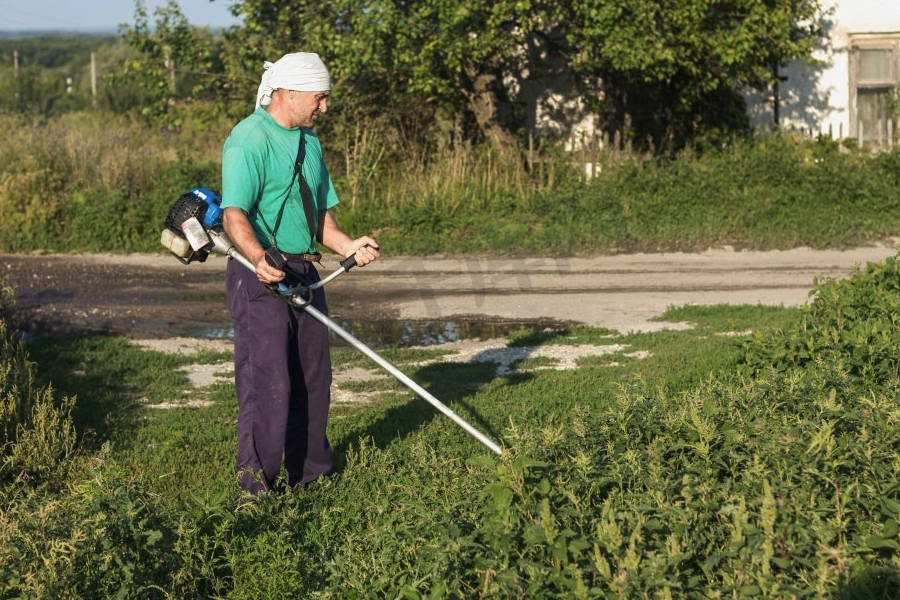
pixel 65 53
pixel 7 301
pixel 678 63
pixel 660 76
pixel 104 538
pixel 91 182
pixel 667 72
pixel 174 61
pixel 36 431
pixel 774 192
pixel 625 481
pixel 32 91
pixel 393 55
pixel 54 75
pixel 95 182
pixel 851 324
pixel 646 493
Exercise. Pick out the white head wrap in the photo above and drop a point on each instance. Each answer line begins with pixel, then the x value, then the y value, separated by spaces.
pixel 301 71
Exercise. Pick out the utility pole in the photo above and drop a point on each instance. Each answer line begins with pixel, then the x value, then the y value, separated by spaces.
pixel 776 94
pixel 169 65
pixel 16 73
pixel 93 79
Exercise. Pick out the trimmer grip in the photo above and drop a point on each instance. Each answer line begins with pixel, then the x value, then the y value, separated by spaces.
pixel 350 262
pixel 275 259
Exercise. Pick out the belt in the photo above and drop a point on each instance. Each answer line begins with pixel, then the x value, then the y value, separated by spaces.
pixel 316 257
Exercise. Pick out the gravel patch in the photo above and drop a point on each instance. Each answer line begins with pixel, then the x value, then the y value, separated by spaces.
pixel 563 357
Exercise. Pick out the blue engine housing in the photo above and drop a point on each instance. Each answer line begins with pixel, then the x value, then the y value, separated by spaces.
pixel 213 217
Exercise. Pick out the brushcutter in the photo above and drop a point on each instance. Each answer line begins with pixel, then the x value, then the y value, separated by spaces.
pixel 193 230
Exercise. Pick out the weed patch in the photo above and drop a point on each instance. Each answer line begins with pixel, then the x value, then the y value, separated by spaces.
pixel 36 431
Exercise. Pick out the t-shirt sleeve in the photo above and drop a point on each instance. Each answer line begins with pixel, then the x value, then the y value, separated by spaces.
pixel 241 184
pixel 327 194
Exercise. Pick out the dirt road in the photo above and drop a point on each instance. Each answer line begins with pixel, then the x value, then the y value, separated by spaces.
pixel 149 296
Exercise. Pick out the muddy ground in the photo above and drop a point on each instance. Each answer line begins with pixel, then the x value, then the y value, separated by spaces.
pixel 155 296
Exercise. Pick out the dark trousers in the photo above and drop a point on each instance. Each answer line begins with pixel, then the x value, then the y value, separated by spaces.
pixel 282 371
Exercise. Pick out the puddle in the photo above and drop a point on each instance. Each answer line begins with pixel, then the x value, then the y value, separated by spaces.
pixel 426 333
pixel 402 333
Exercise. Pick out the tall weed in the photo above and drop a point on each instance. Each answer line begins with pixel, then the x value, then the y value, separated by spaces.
pixel 100 182
pixel 36 431
pixel 102 538
pixel 774 192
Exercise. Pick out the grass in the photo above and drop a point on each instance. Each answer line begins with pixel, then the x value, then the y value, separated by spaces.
pixel 751 455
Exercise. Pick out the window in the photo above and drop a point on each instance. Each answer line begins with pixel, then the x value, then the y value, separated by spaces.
pixel 875 66
pixel 874 72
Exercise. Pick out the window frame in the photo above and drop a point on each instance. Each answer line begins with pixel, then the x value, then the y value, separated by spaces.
pixel 889 42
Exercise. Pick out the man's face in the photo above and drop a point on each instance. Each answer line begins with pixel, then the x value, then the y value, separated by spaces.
pixel 307 106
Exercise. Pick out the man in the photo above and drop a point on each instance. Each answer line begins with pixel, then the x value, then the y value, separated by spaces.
pixel 281 354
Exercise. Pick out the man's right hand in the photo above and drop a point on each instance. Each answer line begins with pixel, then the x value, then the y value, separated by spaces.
pixel 266 272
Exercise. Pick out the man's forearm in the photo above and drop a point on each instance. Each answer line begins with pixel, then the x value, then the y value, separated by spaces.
pixel 332 236
pixel 238 228
pixel 241 234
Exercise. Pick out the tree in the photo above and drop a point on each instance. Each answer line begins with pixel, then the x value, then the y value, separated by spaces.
pixel 662 71
pixel 174 62
pixel 444 53
pixel 677 62
pixel 31 91
pixel 52 74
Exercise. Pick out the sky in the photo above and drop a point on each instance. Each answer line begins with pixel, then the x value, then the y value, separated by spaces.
pixel 102 15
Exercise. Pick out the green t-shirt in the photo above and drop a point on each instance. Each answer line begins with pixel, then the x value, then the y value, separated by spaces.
pixel 257 167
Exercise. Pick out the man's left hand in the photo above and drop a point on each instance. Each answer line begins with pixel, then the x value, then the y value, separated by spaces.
pixel 365 250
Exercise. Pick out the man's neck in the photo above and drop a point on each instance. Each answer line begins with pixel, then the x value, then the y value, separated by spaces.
pixel 279 115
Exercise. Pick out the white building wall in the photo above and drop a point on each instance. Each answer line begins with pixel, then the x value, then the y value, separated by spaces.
pixel 815 98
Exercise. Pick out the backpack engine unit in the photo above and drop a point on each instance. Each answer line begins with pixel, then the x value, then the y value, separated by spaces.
pixel 185 233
